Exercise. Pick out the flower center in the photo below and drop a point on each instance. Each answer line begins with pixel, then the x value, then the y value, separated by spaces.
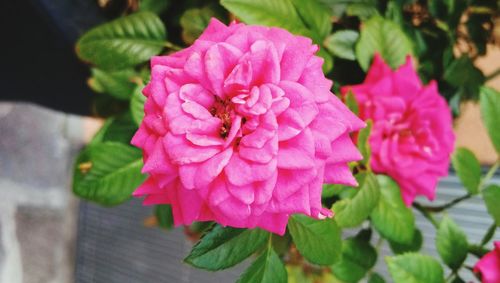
pixel 222 109
pixel 405 133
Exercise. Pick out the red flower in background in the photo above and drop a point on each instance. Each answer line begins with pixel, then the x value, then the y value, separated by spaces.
pixel 489 266
pixel 412 135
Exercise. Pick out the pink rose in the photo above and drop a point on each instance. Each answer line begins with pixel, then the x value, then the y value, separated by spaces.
pixel 412 136
pixel 241 128
pixel 489 266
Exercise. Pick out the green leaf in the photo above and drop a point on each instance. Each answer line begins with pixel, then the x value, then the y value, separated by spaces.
pixel 145 75
pixel 281 244
pixel 364 145
pixel 384 37
pixel 328 60
pixel 225 247
pixel 337 7
pixel 455 101
pixel 352 212
pixel 137 105
pixel 124 42
pixel 478 30
pixel 116 83
pixel 376 278
pixel 329 190
pixel 439 8
pixel 315 16
pixel 106 106
pixel 451 243
pixel 394 12
pixel 364 9
pixel 448 10
pixel 463 74
pixel 280 13
pixel 164 216
pixel 468 169
pixel 296 274
pixel 95 85
pixel 341 44
pixel 414 246
pixel 357 258
pixel 155 6
pixel 307 18
pixel 120 129
pixel 489 235
pixel 491 196
pixel 420 47
pixel 317 240
pixel 415 268
pixel 341 191
pixel 107 173
pixel 392 218
pixel 268 268
pixel 193 23
pixel 490 112
pixel 351 103
pixel 364 234
pixel 201 226
pixel 457 8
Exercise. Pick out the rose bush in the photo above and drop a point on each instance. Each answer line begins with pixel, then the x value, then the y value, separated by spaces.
pixel 412 136
pixel 238 127
pixel 241 128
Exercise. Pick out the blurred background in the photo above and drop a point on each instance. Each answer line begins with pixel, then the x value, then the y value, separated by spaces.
pixel 46 234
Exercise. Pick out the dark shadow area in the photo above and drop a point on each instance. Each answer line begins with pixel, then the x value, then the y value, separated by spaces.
pixel 37 52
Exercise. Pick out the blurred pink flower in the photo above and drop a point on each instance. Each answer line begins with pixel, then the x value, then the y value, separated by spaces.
pixel 412 136
pixel 242 128
pixel 489 266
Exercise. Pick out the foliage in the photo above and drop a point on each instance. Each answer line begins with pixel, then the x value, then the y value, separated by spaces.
pixel 391 218
pixel 221 248
pixel 415 268
pixel 451 243
pixel 349 33
pixel 358 257
pixel 468 169
pixel 317 240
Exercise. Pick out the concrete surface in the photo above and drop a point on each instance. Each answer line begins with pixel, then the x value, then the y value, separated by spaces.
pixel 37 209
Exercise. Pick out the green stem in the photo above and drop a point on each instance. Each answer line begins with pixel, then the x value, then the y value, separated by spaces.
pixel 426 214
pixel 442 25
pixel 446 205
pixel 493 75
pixel 379 244
pixel 468 267
pixel 489 174
pixel 172 46
pixel 489 234
pixel 477 250
pixel 480 10
pixel 450 277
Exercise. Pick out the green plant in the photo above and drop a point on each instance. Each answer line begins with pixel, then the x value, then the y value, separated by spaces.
pixel 349 33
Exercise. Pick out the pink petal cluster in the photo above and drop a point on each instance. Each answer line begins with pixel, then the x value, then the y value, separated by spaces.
pixel 412 136
pixel 489 266
pixel 241 128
